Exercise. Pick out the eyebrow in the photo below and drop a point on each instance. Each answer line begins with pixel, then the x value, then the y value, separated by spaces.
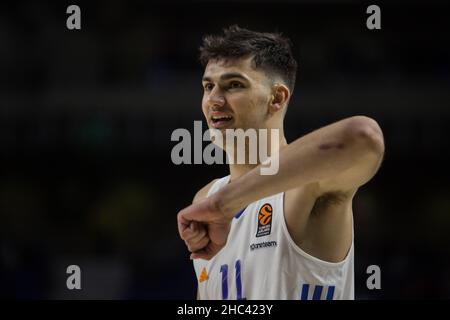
pixel 227 76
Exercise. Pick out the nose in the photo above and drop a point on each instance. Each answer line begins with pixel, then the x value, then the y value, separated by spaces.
pixel 216 98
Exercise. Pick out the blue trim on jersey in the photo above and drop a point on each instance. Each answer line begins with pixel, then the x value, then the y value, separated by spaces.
pixel 239 214
pixel 305 289
pixel 330 293
pixel 317 292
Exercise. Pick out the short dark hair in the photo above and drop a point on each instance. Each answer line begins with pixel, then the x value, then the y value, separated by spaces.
pixel 271 52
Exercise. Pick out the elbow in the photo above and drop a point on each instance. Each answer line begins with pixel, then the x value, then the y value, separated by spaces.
pixel 367 133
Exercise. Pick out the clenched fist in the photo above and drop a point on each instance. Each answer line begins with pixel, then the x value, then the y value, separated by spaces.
pixel 204 227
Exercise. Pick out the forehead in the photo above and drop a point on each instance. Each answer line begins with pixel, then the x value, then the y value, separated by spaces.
pixel 216 68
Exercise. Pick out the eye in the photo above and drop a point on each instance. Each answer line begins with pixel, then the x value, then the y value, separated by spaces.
pixel 208 86
pixel 236 85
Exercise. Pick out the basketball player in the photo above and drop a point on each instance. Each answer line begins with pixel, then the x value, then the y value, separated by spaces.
pixel 287 235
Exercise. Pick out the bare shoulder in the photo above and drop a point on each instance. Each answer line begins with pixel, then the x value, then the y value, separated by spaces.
pixel 203 192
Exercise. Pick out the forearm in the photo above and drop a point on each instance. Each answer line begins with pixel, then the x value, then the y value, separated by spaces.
pixel 319 155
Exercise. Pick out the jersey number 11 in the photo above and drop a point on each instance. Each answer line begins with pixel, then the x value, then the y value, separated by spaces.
pixel 224 271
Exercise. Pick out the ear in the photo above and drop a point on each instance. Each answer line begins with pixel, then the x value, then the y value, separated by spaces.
pixel 279 99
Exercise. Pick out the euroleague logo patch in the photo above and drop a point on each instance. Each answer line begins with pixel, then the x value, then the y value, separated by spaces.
pixel 264 220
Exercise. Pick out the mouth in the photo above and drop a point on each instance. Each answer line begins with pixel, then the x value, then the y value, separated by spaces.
pixel 221 121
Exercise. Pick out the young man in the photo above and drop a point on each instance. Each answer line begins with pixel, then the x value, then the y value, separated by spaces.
pixel 287 235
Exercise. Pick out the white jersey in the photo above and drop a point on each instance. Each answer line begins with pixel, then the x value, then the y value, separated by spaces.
pixel 261 261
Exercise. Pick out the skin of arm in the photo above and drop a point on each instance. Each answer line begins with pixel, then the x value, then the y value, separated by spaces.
pixel 339 157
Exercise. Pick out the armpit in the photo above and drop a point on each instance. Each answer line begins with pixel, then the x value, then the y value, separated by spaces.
pixel 329 199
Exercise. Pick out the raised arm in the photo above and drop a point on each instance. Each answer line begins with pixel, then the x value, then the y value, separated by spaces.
pixel 339 157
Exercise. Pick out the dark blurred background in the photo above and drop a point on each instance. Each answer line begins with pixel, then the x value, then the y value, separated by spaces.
pixel 86 117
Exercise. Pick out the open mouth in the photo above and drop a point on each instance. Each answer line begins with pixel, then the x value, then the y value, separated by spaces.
pixel 220 121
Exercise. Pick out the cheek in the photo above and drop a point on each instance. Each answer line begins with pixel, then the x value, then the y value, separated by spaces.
pixel 251 112
pixel 204 106
pixel 258 104
pixel 242 101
